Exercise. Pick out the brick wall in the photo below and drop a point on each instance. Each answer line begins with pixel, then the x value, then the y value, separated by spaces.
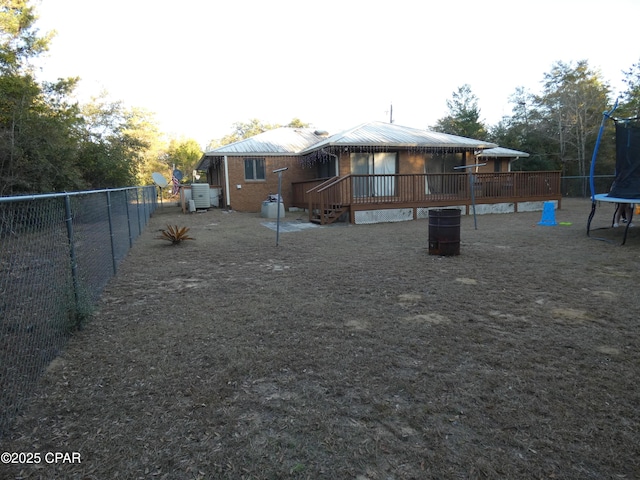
pixel 251 194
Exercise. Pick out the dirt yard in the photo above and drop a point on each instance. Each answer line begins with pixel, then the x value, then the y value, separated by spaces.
pixel 349 352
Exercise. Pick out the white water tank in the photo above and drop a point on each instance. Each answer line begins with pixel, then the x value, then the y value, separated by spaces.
pixel 200 195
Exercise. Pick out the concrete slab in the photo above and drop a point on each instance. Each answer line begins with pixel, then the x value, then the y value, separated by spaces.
pixel 288 227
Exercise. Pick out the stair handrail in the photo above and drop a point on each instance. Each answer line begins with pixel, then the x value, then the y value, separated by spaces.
pixel 335 182
pixel 315 188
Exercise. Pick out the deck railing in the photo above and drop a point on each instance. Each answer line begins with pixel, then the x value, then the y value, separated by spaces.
pixel 412 190
pixel 303 191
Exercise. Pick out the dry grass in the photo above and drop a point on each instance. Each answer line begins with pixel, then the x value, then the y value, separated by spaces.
pixel 349 352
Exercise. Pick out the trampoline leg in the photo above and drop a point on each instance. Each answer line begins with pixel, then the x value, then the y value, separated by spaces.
pixel 593 212
pixel 626 230
pixel 615 212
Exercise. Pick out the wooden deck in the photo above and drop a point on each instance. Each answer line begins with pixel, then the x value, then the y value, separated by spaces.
pixel 328 199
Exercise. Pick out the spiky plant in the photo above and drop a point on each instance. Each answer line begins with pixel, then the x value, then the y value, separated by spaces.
pixel 175 234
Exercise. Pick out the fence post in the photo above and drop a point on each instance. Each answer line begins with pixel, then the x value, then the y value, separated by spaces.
pixel 146 205
pixel 126 205
pixel 72 250
pixel 144 208
pixel 113 249
pixel 154 199
pixel 138 209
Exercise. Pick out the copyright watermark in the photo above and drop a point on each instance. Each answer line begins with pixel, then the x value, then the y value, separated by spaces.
pixel 25 458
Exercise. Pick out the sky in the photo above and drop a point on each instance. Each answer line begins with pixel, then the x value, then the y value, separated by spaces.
pixel 202 65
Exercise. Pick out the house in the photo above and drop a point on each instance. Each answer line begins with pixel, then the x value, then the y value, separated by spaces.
pixel 375 170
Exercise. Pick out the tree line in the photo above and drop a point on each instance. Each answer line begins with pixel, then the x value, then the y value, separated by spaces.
pixel 50 142
pixel 559 126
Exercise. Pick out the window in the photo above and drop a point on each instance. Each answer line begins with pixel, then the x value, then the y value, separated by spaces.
pixel 328 168
pixel 443 162
pixel 254 169
pixel 438 166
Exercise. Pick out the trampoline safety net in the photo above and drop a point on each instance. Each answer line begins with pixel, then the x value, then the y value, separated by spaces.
pixel 627 181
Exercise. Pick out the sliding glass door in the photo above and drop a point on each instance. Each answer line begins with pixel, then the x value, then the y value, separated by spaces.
pixel 384 164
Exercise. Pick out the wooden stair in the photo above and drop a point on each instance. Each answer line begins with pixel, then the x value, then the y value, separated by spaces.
pixel 329 215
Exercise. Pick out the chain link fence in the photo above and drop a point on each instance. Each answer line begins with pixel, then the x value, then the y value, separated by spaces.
pixel 578 187
pixel 57 253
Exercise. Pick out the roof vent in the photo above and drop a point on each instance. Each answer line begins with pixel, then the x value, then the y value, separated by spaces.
pixel 321 133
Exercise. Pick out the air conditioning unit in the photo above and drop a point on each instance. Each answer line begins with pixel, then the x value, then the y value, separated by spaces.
pixel 200 195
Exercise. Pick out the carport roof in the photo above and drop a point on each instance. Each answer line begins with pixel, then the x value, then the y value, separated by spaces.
pixel 502 152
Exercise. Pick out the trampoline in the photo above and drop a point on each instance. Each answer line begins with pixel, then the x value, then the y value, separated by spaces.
pixel 625 189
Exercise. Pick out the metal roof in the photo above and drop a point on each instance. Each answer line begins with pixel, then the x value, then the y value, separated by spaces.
pixel 374 134
pixel 502 152
pixel 281 141
pixel 287 141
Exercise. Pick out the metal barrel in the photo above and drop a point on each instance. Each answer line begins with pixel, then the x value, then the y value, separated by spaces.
pixel 444 231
